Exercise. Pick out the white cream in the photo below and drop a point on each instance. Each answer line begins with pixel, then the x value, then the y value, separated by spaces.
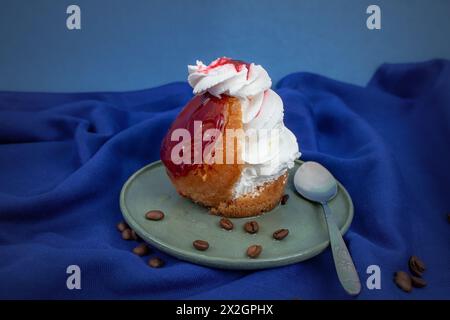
pixel 262 110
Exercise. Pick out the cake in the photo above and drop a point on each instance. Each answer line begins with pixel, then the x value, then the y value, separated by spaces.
pixel 228 149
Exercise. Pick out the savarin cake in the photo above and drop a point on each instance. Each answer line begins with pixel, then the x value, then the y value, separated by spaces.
pixel 229 149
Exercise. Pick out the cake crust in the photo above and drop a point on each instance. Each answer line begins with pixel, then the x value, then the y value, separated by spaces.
pixel 265 198
pixel 212 184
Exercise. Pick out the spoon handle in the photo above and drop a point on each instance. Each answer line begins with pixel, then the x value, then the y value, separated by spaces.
pixel 345 268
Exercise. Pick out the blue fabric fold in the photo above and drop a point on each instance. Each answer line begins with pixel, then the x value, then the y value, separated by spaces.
pixel 65 157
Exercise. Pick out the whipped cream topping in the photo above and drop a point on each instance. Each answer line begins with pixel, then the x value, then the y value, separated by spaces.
pixel 234 78
pixel 268 157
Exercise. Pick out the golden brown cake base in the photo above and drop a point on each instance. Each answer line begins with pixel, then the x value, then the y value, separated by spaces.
pixel 264 199
pixel 213 184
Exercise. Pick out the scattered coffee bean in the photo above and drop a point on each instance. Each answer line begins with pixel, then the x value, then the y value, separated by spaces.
pixel 284 199
pixel 126 234
pixel 135 236
pixel 416 266
pixel 448 217
pixel 154 215
pixel 251 227
pixel 254 251
pixel 200 245
pixel 226 224
pixel 141 250
pixel 155 262
pixel 418 282
pixel 280 234
pixel 403 281
pixel 122 226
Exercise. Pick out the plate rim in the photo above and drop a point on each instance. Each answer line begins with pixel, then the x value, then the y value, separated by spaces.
pixel 198 258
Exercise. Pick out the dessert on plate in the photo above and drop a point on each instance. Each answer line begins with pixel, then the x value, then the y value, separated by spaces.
pixel 228 149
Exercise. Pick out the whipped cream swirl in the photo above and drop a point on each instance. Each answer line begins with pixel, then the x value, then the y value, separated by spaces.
pixel 262 109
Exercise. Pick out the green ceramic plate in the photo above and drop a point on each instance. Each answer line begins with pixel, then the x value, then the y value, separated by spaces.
pixel 150 188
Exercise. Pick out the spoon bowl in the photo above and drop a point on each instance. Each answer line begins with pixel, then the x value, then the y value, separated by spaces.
pixel 315 183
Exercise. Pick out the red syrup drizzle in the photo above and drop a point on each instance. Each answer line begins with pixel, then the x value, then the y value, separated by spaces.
pixel 238 65
pixel 205 108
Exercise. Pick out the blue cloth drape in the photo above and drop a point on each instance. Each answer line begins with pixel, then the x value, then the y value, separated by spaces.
pixel 64 158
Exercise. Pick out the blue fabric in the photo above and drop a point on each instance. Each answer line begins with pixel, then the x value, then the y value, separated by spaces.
pixel 64 158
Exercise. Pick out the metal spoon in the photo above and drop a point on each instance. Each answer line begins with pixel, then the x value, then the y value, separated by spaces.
pixel 315 183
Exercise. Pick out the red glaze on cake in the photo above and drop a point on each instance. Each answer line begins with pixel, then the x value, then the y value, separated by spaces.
pixel 205 108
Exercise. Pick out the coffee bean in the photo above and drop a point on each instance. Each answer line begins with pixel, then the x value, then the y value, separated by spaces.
pixel 154 215
pixel 226 224
pixel 200 245
pixel 284 199
pixel 418 282
pixel 141 250
pixel 155 262
pixel 122 226
pixel 126 234
pixel 403 281
pixel 416 266
pixel 448 217
pixel 251 227
pixel 135 236
pixel 281 234
pixel 254 251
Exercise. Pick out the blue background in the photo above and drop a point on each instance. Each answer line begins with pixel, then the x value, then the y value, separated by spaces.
pixel 127 45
